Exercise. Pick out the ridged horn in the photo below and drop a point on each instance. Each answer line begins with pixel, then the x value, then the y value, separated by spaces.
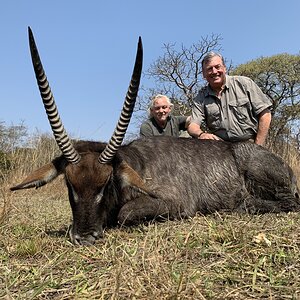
pixel 61 137
pixel 117 138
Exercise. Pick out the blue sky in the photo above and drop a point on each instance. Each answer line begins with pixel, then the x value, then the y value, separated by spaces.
pixel 88 49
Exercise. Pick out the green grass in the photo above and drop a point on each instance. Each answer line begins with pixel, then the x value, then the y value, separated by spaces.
pixel 208 257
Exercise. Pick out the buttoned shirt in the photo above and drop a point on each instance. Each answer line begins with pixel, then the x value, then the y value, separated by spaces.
pixel 233 116
pixel 173 127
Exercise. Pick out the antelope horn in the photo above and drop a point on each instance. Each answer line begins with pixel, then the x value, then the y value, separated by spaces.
pixel 117 138
pixel 61 137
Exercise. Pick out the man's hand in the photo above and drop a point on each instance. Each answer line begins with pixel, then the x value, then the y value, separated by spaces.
pixel 208 136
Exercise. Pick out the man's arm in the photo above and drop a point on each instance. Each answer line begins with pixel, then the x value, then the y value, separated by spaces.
pixel 264 121
pixel 194 128
pixel 188 122
pixel 195 131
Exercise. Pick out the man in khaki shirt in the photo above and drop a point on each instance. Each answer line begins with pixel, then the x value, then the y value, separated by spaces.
pixel 233 107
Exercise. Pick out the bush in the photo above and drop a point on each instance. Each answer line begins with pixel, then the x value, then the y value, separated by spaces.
pixel 5 163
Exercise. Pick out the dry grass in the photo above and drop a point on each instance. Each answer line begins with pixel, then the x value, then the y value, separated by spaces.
pixel 221 256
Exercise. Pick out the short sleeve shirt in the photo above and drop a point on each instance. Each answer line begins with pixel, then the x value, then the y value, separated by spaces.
pixel 173 127
pixel 233 117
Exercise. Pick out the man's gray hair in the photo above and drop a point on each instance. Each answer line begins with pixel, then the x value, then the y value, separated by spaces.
pixel 207 58
pixel 154 98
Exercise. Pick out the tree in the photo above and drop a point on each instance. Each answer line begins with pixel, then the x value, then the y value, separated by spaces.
pixel 12 136
pixel 279 77
pixel 178 74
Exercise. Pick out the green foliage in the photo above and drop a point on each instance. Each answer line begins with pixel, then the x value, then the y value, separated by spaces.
pixel 177 73
pixel 279 77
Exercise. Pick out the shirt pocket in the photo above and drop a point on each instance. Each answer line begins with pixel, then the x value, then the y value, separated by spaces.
pixel 213 116
pixel 240 108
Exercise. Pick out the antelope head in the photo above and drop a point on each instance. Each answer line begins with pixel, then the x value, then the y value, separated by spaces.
pixel 87 167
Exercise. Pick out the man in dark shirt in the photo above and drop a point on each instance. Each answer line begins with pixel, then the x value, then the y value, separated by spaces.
pixel 233 107
pixel 160 121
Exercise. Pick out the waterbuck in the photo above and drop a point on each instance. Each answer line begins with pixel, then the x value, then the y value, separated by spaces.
pixel 159 177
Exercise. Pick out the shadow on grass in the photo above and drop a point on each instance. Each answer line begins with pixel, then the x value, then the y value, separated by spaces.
pixel 63 232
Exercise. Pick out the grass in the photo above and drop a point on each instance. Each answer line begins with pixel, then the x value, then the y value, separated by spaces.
pixel 219 256
pixel 207 257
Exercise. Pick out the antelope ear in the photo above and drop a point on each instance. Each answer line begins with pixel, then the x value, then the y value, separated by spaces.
pixel 131 179
pixel 41 176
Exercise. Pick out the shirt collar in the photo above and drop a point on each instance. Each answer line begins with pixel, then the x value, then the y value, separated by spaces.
pixel 210 92
pixel 156 125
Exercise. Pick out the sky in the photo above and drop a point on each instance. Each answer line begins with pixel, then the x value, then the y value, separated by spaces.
pixel 88 50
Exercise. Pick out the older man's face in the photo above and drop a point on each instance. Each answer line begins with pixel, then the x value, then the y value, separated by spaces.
pixel 214 72
pixel 161 110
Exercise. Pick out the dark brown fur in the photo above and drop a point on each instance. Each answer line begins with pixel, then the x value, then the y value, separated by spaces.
pixel 164 177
